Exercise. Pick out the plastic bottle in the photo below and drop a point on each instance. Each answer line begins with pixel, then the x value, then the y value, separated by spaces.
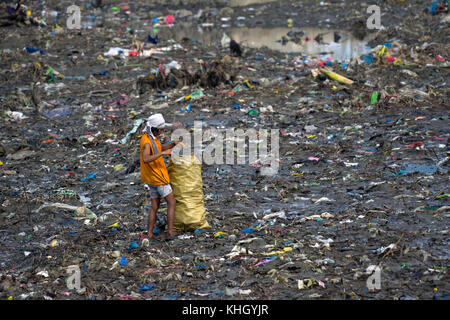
pixel 91 21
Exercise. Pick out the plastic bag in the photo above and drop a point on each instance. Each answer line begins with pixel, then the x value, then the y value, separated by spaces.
pixel 185 174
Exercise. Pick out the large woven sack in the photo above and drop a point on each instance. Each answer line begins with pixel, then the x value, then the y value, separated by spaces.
pixel 185 174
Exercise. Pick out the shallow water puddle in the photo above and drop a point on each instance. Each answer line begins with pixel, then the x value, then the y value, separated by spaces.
pixel 303 41
pixel 318 42
pixel 243 3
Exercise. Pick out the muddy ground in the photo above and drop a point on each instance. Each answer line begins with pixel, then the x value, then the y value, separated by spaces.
pixel 360 183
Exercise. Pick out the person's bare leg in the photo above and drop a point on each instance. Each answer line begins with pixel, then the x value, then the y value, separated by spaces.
pixel 170 215
pixel 152 217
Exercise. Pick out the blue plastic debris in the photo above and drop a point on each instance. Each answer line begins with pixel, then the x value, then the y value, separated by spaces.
pixel 33 50
pixel 400 173
pixel 123 261
pixel 187 108
pixel 269 259
pixel 434 6
pixel 133 245
pixel 90 176
pixel 248 230
pixel 151 39
pixel 368 59
pixel 422 168
pixel 146 287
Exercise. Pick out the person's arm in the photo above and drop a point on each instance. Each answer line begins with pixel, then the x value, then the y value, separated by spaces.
pixel 147 157
pixel 171 145
pixel 168 146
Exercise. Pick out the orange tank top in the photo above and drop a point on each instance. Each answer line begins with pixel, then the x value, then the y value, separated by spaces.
pixel 155 172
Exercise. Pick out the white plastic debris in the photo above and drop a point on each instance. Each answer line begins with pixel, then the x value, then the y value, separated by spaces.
pixel 310 128
pixel 225 41
pixel 56 205
pixel 280 214
pixel 16 115
pixel 238 250
pixel 43 273
pixel 324 199
pixel 326 215
pixel 383 249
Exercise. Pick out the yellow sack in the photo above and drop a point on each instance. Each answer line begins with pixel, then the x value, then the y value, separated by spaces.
pixel 185 173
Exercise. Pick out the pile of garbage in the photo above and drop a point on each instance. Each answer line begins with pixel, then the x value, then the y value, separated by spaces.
pixel 173 75
pixel 18 15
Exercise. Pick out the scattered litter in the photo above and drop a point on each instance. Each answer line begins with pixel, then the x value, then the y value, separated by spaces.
pixel 357 144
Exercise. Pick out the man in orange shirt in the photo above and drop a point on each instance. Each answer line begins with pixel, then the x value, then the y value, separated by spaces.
pixel 154 172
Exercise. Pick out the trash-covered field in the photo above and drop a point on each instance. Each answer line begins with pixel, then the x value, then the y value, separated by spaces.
pixel 361 192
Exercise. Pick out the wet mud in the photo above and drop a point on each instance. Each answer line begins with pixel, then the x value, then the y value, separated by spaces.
pixel 362 178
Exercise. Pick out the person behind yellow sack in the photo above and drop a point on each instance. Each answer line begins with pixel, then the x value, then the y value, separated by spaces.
pixel 154 172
